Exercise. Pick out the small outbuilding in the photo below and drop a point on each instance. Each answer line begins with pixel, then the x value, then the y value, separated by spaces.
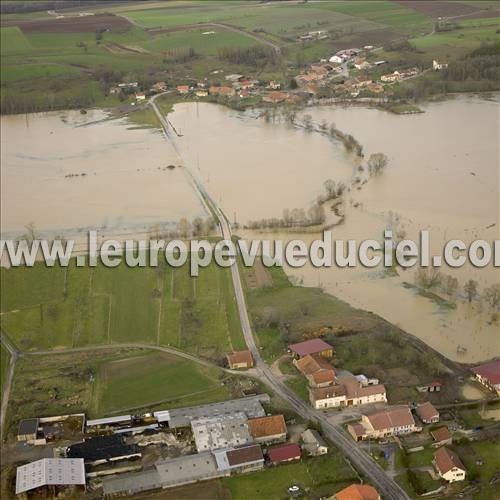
pixel 314 444
pixel 240 359
pixel 441 436
pixel 284 453
pixel 28 430
pixel 313 346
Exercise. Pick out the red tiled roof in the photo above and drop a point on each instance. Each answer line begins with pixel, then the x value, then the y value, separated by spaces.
pixel 238 357
pixel 397 416
pixel 441 434
pixel 358 492
pixel 310 347
pixel 426 411
pixel 267 426
pixel 489 371
pixel 323 376
pixel 285 452
pixel 311 364
pixel 445 460
pixel 245 454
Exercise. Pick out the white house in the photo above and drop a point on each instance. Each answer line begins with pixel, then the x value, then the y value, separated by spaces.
pixel 448 465
pixel 336 59
pixel 438 66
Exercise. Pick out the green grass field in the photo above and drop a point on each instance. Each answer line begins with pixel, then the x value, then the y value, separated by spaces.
pixel 319 477
pixel 153 378
pixel 4 365
pixel 46 308
pixel 113 380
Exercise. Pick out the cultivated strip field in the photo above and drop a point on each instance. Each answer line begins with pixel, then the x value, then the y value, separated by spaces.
pixel 44 308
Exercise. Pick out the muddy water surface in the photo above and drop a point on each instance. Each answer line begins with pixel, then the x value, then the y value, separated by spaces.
pixel 443 176
pixel 125 186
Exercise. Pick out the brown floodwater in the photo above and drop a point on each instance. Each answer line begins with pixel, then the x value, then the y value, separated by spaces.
pixel 125 189
pixel 443 176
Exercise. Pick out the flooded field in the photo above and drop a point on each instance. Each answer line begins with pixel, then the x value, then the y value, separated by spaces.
pixel 67 173
pixel 443 176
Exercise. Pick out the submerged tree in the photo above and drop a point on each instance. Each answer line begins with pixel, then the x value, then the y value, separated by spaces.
pixel 377 162
pixel 470 289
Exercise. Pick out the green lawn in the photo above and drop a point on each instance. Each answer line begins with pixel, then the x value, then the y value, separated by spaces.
pixel 318 477
pixel 154 378
pixel 71 307
pixel 468 38
pixel 13 41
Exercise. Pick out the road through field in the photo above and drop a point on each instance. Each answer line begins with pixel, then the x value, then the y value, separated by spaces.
pixel 363 462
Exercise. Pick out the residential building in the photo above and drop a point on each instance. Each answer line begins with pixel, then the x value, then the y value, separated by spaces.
pixel 183 89
pixel 321 378
pixel 140 96
pixel 357 492
pixel 391 77
pixel 347 392
pixel 220 432
pixel 50 472
pixel 240 359
pixel 439 65
pixel 246 458
pixel 427 413
pixel 441 436
pixel 313 443
pixel 274 97
pixel 327 397
pixel 393 421
pixel 269 429
pixel 28 430
pixel 222 90
pixel 284 453
pixel 448 465
pixel 201 93
pixel 274 85
pixel 336 59
pixel 488 375
pixel 313 346
pixel 159 87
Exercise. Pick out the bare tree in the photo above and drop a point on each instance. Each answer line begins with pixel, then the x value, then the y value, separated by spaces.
pixel 449 285
pixel 377 162
pixel 428 278
pixel 470 289
pixel 492 295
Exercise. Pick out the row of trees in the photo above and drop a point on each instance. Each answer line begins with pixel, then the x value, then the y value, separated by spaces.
pixel 296 217
pixel 256 55
pixel 430 279
pixel 185 229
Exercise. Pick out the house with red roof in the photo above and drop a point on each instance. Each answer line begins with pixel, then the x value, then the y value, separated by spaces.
pixel 488 375
pixel 313 346
pixel 284 453
pixel 448 465
pixel 357 492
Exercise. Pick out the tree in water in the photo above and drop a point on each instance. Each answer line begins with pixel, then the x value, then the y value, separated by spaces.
pixel 470 289
pixel 377 162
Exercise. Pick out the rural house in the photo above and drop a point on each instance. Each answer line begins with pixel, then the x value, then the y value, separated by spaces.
pixel 357 492
pixel 427 413
pixel 240 359
pixel 448 465
pixel 348 391
pixel 314 444
pixel 183 89
pixel 441 436
pixel 393 421
pixel 438 65
pixel 489 375
pixel 313 346
pixel 270 429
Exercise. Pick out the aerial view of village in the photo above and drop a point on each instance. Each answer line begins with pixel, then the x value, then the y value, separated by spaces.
pixel 250 249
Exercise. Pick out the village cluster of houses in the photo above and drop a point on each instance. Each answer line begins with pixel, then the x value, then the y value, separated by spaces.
pixel 132 88
pixel 329 387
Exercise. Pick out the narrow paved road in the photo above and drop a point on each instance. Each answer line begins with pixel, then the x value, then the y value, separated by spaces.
pixel 363 462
